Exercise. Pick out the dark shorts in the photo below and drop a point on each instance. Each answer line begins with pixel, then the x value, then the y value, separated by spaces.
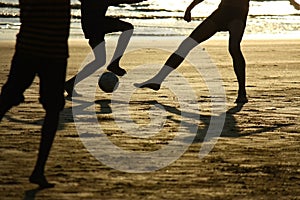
pixel 226 14
pixel 52 74
pixel 96 29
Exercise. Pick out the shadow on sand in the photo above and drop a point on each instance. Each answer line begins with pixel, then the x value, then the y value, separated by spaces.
pixel 30 194
pixel 230 129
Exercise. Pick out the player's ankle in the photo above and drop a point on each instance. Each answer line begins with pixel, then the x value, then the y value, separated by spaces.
pixel 116 69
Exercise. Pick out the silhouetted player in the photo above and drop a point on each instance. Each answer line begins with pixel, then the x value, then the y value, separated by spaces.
pixel 42 50
pixel 95 25
pixel 231 16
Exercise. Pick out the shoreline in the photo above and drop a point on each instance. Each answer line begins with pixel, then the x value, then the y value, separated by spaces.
pixel 8 35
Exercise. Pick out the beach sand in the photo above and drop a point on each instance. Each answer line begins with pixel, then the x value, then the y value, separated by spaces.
pixel 257 155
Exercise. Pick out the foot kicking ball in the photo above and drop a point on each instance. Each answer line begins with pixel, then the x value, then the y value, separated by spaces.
pixel 108 82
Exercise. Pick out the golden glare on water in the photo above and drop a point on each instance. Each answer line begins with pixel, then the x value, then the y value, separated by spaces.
pixel 172 4
pixel 164 17
pixel 207 6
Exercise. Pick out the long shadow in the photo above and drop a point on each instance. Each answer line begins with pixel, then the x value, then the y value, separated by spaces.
pixel 30 194
pixel 230 128
pixel 104 106
pixel 37 122
pixel 66 115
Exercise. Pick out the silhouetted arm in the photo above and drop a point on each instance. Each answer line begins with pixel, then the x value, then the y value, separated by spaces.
pixel 187 15
pixel 117 2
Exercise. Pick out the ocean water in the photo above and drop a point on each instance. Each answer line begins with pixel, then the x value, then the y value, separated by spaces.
pixel 267 18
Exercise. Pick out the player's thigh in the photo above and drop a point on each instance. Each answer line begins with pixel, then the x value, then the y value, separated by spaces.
pixel 204 31
pixel 115 25
pixel 52 79
pixel 236 31
pixel 21 76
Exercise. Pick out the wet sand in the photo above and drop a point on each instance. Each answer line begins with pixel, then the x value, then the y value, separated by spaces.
pixel 257 155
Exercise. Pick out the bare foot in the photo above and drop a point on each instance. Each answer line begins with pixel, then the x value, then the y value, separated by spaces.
pixel 40 180
pixel 117 70
pixel 241 99
pixel 71 92
pixel 153 86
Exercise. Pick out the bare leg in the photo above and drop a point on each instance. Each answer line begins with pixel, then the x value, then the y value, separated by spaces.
pixel 203 32
pixel 100 59
pixel 48 133
pixel 3 110
pixel 19 79
pixel 89 69
pixel 236 31
pixel 4 107
pixel 123 42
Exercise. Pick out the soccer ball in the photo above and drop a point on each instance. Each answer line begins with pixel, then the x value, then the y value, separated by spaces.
pixel 108 82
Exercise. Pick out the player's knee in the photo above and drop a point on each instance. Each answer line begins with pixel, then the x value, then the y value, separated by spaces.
pixel 9 98
pixel 98 62
pixel 234 49
pixel 128 27
pixel 53 104
pixel 7 104
pixel 185 47
pixel 96 42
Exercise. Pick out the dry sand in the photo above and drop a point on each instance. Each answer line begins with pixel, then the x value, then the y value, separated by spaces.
pixel 256 157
